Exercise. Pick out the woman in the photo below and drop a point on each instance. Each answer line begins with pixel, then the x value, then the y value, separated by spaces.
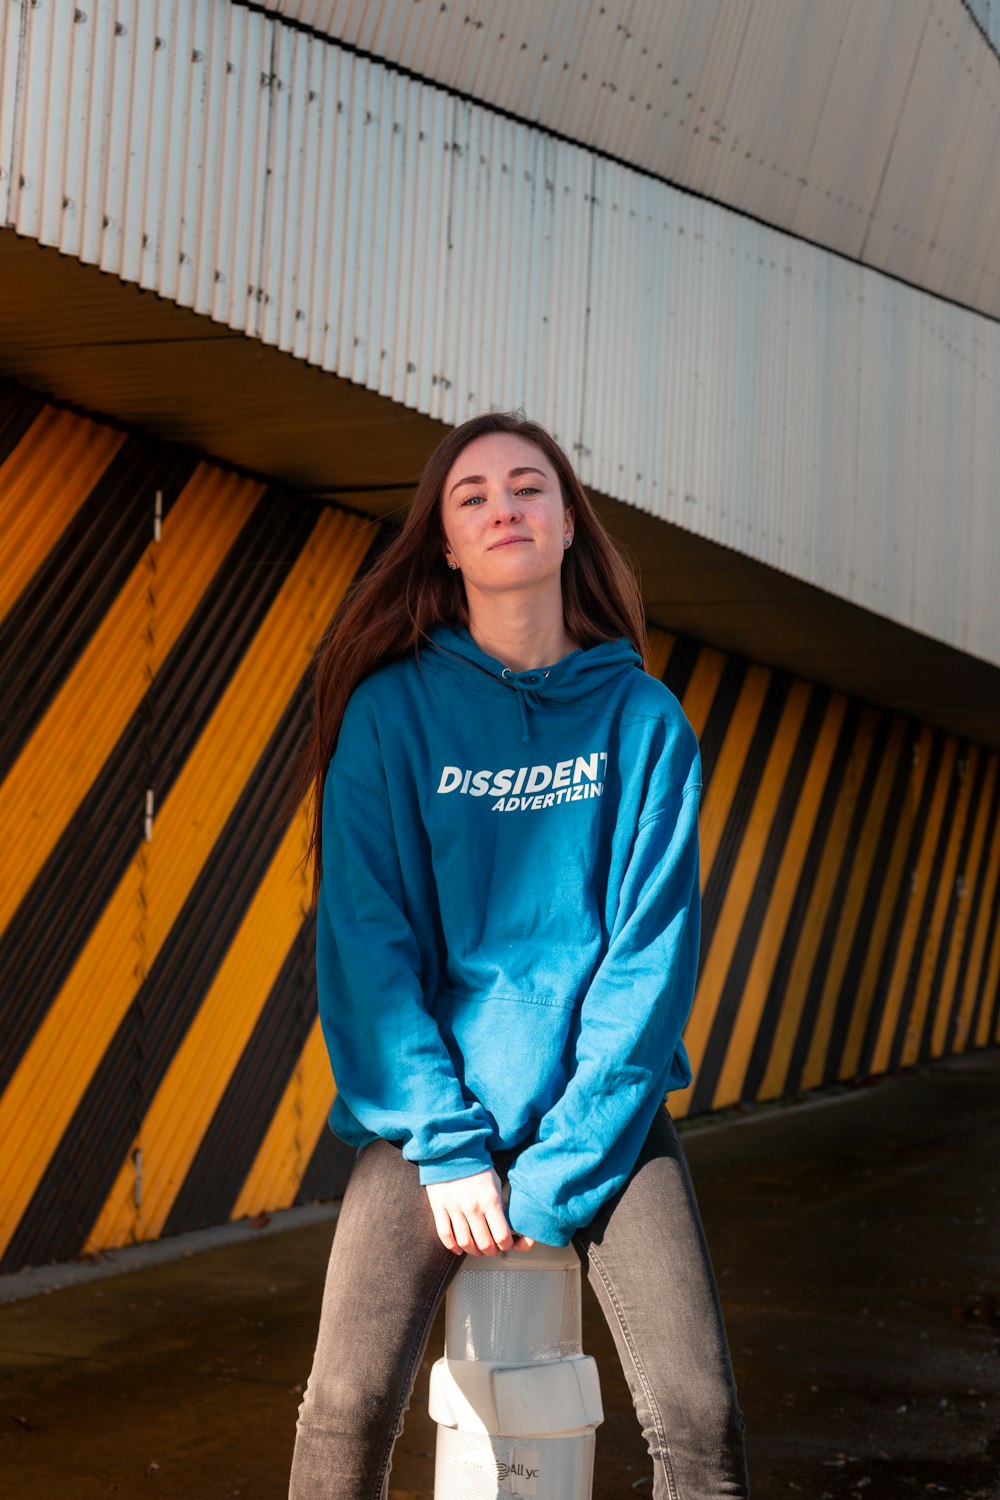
pixel 507 944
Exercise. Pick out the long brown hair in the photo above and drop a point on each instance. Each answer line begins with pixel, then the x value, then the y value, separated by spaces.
pixel 409 588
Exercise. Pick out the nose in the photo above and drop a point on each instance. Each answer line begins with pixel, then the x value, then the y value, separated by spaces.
pixel 507 508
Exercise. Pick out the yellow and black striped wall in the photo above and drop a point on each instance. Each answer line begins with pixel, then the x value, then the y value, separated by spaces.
pixel 162 1066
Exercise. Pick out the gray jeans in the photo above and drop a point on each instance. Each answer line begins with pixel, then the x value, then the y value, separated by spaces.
pixel 647 1261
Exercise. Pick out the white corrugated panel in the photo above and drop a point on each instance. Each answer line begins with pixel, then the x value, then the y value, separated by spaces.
pixel 871 127
pixel 787 403
pixel 10 51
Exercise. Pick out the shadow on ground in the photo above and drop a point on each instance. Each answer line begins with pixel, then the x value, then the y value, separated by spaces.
pixel 857 1245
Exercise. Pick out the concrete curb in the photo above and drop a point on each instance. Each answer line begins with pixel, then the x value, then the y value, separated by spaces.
pixel 34 1280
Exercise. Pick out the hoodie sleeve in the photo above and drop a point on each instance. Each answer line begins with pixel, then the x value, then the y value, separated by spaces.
pixel 392 1069
pixel 629 1050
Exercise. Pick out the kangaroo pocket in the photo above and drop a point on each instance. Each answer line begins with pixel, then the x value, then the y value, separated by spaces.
pixel 509 1053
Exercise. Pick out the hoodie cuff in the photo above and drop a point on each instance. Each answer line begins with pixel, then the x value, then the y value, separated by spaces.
pixel 451 1168
pixel 526 1216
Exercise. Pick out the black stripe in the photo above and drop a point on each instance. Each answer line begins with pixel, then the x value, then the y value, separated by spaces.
pixel 18 409
pixel 734 987
pixel 977 898
pixel 720 715
pixel 244 1113
pixel 39 947
pixel 991 1034
pixel 902 900
pixel 918 958
pixel 849 996
pixel 65 900
pixel 824 948
pixel 739 814
pixel 683 660
pixel 83 1168
pixel 984 1000
pixel 954 904
pixel 771 1018
pixel 56 616
pixel 328 1170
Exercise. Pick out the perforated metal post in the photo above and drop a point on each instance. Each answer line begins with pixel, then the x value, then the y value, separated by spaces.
pixel 516 1400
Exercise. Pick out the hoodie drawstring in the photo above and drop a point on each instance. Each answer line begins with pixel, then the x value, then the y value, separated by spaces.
pixel 526 685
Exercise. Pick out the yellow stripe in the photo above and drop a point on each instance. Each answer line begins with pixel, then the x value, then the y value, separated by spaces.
pixel 850 912
pixel 43 483
pixel 661 644
pixel 702 688
pixel 774 925
pixel 293 1133
pixel 921 874
pixel 949 973
pixel 123 945
pixel 775 1080
pixel 975 965
pixel 185 1102
pixel 728 772
pixel 895 875
pixel 72 741
pixel 943 897
pixel 739 892
pixel 722 790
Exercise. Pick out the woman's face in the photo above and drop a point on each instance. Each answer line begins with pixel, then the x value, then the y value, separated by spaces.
pixel 502 514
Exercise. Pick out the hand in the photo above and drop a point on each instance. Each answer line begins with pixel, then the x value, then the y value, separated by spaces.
pixel 469 1216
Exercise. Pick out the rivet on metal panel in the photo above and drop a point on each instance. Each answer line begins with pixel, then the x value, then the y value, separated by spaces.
pixel 157 515
pixel 137 1185
pixel 148 829
pixel 120 29
pixel 78 16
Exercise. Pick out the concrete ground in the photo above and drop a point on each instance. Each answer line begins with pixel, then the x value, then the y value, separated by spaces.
pixel 856 1239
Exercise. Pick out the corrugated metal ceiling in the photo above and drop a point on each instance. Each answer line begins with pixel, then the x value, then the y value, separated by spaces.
pixel 871 127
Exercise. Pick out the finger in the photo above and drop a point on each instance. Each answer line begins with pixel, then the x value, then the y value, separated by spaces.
pixel 496 1220
pixel 442 1224
pixel 524 1242
pixel 481 1232
pixel 463 1234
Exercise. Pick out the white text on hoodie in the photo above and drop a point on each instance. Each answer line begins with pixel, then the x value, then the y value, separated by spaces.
pixel 520 788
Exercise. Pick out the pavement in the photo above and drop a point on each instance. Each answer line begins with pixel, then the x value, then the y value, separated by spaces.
pixel 856 1240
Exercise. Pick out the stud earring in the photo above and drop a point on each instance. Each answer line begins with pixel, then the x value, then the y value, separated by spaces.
pixel 453 566
pixel 566 541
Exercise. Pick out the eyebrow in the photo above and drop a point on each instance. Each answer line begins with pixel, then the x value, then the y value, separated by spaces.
pixel 481 478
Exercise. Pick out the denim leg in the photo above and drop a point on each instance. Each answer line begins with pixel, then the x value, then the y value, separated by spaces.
pixel 387 1274
pixel 647 1259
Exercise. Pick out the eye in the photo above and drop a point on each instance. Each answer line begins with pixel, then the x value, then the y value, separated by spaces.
pixel 469 499
pixel 528 489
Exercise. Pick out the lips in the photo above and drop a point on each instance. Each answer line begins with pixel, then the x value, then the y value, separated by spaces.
pixel 507 542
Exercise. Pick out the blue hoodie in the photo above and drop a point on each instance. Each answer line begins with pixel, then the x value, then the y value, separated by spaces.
pixel 509 916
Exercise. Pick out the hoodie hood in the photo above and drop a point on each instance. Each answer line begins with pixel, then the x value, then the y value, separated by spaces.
pixel 579 676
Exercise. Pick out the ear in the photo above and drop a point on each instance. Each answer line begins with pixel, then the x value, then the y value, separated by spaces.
pixel 569 517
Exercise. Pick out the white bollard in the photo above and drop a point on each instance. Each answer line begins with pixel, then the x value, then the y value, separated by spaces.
pixel 516 1401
